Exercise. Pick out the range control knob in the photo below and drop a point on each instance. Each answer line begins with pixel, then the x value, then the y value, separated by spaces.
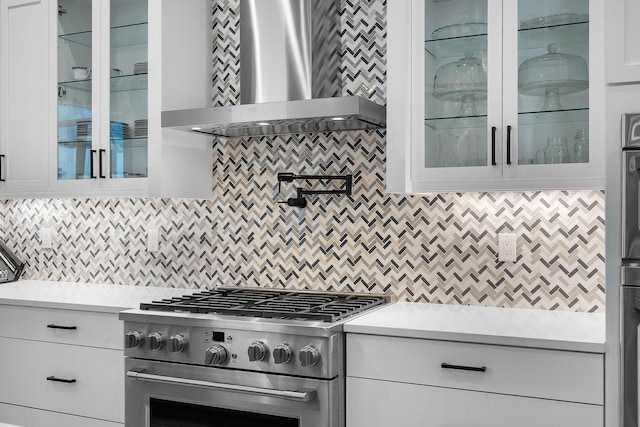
pixel 215 355
pixel 177 343
pixel 309 356
pixel 156 340
pixel 133 339
pixel 257 351
pixel 281 353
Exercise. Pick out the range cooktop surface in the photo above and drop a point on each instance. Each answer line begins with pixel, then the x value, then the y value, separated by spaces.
pixel 270 304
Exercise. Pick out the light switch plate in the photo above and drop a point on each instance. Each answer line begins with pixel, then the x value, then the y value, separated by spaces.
pixel 507 247
pixel 46 240
pixel 153 240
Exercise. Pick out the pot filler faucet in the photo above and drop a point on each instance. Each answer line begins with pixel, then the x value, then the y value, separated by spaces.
pixel 299 201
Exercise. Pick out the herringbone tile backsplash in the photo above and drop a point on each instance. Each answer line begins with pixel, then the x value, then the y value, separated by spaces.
pixel 433 249
pixel 437 248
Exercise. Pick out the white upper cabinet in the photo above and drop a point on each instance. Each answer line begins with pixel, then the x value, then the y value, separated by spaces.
pixel 102 92
pixel 111 91
pixel 24 83
pixel 495 95
pixel 83 86
pixel 622 35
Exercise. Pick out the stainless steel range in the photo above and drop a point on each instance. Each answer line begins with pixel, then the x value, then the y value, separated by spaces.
pixel 239 357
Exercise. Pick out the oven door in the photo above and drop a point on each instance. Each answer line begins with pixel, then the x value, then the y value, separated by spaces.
pixel 170 394
pixel 630 312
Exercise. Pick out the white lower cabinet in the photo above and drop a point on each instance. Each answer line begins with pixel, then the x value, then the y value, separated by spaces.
pixel 415 382
pixel 61 368
pixel 27 417
pixel 374 403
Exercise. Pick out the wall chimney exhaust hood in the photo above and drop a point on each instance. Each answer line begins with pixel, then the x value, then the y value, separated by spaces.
pixel 290 78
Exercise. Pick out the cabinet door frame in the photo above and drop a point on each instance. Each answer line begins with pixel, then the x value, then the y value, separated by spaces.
pixel 622 32
pixel 39 118
pixel 566 175
pixel 104 103
pixel 452 178
pixel 100 105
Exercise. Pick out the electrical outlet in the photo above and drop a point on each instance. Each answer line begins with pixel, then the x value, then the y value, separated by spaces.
pixel 153 240
pixel 45 238
pixel 507 247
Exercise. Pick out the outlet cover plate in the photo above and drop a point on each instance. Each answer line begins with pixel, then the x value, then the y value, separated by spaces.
pixel 507 247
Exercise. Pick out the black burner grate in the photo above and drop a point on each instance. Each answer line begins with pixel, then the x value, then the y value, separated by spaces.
pixel 290 305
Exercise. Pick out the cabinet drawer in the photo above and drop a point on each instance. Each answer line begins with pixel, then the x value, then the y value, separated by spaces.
pixel 48 324
pixel 550 374
pixel 29 417
pixel 98 390
pixel 411 405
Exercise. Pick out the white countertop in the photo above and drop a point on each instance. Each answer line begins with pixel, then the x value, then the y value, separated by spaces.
pixel 82 296
pixel 560 330
pixel 488 325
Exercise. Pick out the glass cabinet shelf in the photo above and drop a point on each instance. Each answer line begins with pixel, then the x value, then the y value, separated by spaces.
pixel 82 38
pixel 129 82
pixel 83 85
pixel 76 142
pixel 135 141
pixel 456 122
pixel 127 35
pixel 444 48
pixel 565 34
pixel 551 117
pixel 118 84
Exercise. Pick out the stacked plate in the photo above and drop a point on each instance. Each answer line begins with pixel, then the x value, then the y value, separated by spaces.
pixel 141 127
pixel 140 67
pixel 83 129
pixel 120 130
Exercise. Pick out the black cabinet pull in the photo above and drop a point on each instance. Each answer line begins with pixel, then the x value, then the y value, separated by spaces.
pixel 493 145
pixel 61 380
pixel 464 368
pixel 68 328
pixel 508 144
pixel 92 174
pixel 100 153
pixel 2 157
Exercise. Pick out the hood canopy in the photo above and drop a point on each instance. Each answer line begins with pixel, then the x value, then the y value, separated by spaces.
pixel 290 78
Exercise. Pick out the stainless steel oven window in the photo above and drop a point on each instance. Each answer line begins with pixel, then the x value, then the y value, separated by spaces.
pixel 165 413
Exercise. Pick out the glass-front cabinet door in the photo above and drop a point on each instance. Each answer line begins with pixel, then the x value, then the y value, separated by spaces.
pixel 128 89
pixel 462 95
pixel 548 87
pixel 501 94
pixel 102 92
pixel 75 112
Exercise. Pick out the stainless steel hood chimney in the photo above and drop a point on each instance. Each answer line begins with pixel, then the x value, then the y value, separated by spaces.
pixel 289 76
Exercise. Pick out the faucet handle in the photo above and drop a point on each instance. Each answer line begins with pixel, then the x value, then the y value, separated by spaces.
pixel 299 201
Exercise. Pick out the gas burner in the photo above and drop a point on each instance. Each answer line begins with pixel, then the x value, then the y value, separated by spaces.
pixel 272 304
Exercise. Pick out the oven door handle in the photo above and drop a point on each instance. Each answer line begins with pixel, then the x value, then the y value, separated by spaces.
pixel 301 396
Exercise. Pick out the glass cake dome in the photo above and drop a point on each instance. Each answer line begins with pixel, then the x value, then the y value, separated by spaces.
pixel 553 74
pixel 464 80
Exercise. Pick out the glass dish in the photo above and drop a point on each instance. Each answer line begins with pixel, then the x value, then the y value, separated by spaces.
pixel 464 80
pixel 551 75
pixel 558 17
pixel 460 30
